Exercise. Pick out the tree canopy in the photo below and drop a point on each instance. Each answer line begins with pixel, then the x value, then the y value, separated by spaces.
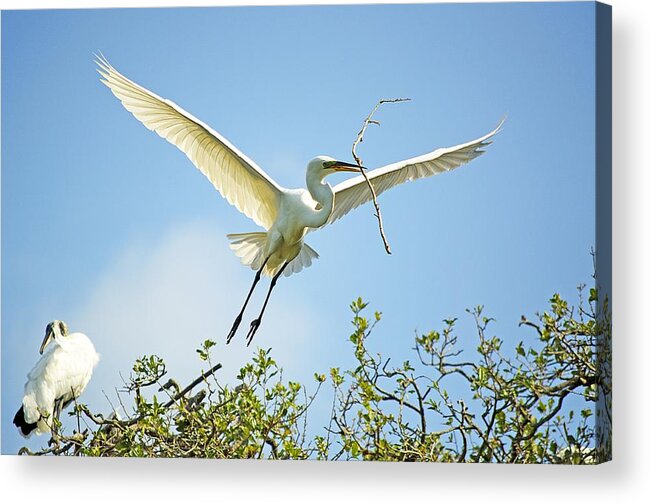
pixel 546 399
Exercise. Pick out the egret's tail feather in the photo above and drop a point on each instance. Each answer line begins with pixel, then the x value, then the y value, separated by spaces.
pixel 249 247
pixel 19 421
pixel 302 260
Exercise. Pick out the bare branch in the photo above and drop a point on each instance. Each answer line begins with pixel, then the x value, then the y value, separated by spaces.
pixel 196 382
pixel 360 138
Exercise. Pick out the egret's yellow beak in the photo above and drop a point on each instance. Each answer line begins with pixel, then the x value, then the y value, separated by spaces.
pixel 49 336
pixel 342 166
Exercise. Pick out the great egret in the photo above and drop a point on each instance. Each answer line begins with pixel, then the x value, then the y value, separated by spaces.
pixel 286 214
pixel 58 378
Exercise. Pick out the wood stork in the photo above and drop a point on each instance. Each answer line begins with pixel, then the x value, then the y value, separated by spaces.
pixel 58 378
pixel 287 215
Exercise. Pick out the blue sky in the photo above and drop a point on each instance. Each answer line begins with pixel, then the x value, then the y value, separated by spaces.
pixel 110 228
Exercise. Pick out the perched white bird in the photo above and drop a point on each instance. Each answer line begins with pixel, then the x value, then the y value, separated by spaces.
pixel 285 214
pixel 59 377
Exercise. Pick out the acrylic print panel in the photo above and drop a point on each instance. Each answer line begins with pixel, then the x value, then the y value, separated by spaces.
pixel 483 337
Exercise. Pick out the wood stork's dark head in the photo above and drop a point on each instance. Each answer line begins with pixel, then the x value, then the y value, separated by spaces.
pixel 54 331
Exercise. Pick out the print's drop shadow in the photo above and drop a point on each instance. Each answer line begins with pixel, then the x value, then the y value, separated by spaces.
pixel 626 228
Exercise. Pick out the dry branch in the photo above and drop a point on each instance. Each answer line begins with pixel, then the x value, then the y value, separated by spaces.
pixel 204 376
pixel 360 138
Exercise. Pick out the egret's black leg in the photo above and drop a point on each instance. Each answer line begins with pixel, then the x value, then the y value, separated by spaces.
pixel 256 323
pixel 238 319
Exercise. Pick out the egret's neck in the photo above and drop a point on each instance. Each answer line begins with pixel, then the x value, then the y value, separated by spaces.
pixel 322 193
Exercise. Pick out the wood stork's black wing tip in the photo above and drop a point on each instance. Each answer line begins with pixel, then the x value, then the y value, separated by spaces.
pixel 19 421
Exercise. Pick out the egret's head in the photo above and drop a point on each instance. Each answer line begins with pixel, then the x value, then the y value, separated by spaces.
pixel 54 331
pixel 321 166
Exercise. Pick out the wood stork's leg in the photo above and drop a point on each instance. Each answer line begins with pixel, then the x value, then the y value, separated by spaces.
pixel 58 407
pixel 256 323
pixel 238 319
pixel 54 420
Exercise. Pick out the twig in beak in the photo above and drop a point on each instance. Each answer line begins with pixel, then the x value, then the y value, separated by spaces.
pixel 360 138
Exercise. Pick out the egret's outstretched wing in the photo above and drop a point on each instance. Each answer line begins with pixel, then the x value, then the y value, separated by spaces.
pixel 234 175
pixel 355 192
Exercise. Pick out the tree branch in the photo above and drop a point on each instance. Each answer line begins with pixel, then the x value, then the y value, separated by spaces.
pixel 187 389
pixel 360 138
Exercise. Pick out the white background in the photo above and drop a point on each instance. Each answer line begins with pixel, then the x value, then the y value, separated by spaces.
pixel 626 479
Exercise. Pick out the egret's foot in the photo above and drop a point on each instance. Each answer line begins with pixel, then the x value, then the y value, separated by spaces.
pixel 254 327
pixel 233 330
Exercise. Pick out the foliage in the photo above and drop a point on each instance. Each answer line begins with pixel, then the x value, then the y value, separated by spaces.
pixel 508 406
pixel 532 402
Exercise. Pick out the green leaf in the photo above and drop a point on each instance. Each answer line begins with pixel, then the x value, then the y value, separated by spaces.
pixel 520 349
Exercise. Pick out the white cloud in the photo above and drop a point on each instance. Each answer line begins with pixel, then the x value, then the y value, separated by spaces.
pixel 166 297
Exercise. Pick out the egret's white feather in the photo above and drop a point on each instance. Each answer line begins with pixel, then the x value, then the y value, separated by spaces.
pixel 303 260
pixel 243 183
pixel 250 247
pixel 355 192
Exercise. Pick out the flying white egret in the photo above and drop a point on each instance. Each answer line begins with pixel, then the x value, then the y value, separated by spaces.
pixel 286 214
pixel 58 378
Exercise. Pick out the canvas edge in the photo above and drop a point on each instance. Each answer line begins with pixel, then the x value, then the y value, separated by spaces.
pixel 603 228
